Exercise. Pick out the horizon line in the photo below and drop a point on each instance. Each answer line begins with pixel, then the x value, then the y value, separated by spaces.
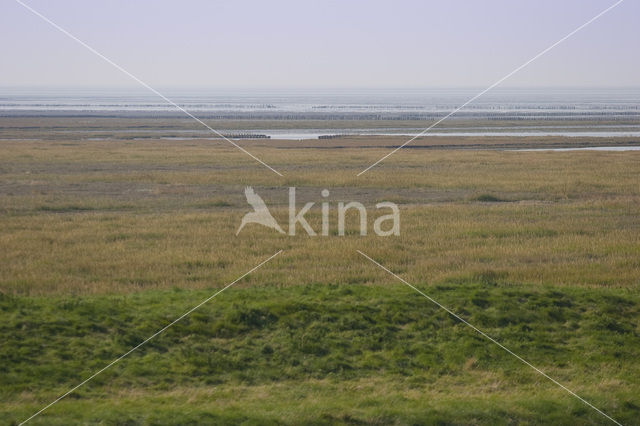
pixel 295 88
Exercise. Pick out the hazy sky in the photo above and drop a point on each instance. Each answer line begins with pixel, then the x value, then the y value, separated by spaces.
pixel 300 43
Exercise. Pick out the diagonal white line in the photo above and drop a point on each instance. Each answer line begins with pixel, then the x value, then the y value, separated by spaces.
pixel 491 87
pixel 456 316
pixel 169 101
pixel 151 337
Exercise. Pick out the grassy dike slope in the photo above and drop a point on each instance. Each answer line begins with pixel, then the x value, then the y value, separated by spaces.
pixel 323 354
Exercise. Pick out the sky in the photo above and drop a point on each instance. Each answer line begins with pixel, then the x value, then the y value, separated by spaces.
pixel 320 44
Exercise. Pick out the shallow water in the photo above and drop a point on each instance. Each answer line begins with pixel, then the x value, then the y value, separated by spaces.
pixel 588 148
pixel 314 134
pixel 541 104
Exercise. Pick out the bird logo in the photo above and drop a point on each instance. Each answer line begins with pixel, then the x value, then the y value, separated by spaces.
pixel 260 213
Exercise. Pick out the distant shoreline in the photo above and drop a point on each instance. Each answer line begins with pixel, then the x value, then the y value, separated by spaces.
pixel 562 115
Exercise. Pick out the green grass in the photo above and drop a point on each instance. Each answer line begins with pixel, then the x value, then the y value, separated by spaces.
pixel 315 337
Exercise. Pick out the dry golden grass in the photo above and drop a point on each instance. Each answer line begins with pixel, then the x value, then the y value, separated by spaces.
pixel 104 216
